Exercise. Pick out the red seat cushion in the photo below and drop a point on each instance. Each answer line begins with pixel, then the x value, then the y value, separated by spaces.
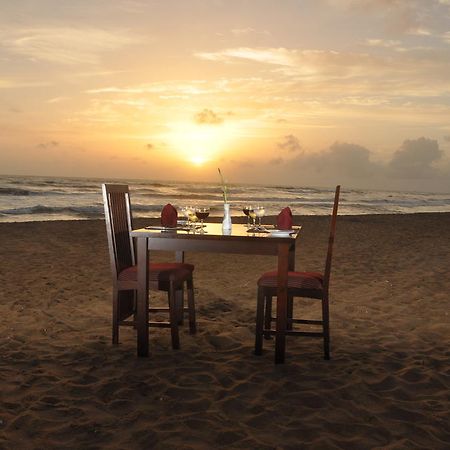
pixel 160 272
pixel 296 280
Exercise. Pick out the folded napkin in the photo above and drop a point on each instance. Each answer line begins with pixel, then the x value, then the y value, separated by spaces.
pixel 284 219
pixel 169 216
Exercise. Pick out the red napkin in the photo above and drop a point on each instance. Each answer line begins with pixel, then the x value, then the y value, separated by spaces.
pixel 284 219
pixel 169 216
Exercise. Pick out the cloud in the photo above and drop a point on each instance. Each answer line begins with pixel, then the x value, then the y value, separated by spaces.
pixel 398 16
pixel 417 164
pixel 207 117
pixel 169 89
pixel 290 143
pixel 241 164
pixel 446 37
pixel 155 147
pixel 116 90
pixel 327 77
pixel 382 43
pixel 345 159
pixel 47 145
pixel 276 161
pixel 248 30
pixel 241 31
pixel 415 158
pixel 57 99
pixel 329 67
pixel 17 84
pixel 278 56
pixel 64 45
pixel 447 138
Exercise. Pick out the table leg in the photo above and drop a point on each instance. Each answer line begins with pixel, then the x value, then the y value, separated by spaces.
pixel 142 298
pixel 290 304
pixel 280 336
pixel 179 294
pixel 291 257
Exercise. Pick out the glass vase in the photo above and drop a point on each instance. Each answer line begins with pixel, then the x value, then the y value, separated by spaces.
pixel 226 223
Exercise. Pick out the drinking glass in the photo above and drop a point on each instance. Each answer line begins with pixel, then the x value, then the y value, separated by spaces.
pixel 187 212
pixel 192 218
pixel 202 213
pixel 260 213
pixel 252 215
pixel 246 210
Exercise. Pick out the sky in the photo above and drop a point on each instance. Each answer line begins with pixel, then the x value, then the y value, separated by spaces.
pixel 289 92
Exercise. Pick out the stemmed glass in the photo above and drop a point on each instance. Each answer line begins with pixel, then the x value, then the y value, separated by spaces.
pixel 260 213
pixel 202 213
pixel 192 217
pixel 252 215
pixel 185 212
pixel 188 212
pixel 246 210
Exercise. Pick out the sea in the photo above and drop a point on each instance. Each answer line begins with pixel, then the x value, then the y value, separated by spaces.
pixel 38 198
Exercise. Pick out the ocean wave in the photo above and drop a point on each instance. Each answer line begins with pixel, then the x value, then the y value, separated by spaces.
pixel 41 198
pixel 29 192
pixel 306 190
pixel 15 191
pixel 144 191
pixel 187 195
pixel 84 211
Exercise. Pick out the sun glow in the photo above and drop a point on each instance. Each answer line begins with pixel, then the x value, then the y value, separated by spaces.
pixel 197 160
pixel 197 143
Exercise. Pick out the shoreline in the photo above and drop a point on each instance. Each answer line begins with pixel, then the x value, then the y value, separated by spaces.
pixel 271 219
pixel 64 385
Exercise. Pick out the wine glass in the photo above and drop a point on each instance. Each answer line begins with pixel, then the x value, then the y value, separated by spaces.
pixel 202 213
pixel 246 210
pixel 192 218
pixel 185 212
pixel 252 215
pixel 260 213
pixel 188 211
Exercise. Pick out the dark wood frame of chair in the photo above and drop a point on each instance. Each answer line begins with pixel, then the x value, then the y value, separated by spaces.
pixel 311 285
pixel 168 277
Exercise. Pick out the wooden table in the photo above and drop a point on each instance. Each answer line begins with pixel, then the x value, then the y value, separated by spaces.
pixel 214 241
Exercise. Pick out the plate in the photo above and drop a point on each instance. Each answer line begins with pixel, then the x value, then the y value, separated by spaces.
pixel 281 233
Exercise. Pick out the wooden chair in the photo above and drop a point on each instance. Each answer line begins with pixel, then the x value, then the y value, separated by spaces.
pixel 168 277
pixel 312 285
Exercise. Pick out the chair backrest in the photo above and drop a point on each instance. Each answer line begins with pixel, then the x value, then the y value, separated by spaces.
pixel 327 272
pixel 116 199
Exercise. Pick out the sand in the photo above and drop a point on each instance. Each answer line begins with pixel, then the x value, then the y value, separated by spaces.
pixel 64 386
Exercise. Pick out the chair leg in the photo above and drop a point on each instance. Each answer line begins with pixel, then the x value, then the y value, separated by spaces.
pixel 179 296
pixel 290 311
pixel 173 317
pixel 134 310
pixel 267 315
pixel 191 306
pixel 115 317
pixel 259 322
pixel 326 328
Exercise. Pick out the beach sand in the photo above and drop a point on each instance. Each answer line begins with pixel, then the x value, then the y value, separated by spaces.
pixel 64 385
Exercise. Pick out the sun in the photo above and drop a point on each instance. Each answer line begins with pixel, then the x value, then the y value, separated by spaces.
pixel 197 160
pixel 198 143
